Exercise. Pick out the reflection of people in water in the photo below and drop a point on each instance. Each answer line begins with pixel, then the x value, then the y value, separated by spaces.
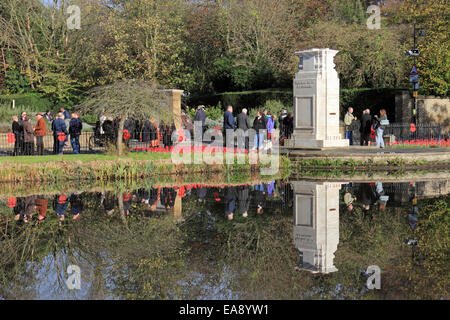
pixel 109 202
pixel 286 195
pixel 201 193
pixel 29 206
pixel 41 207
pixel 260 197
pixel 19 208
pixel 143 195
pixel 60 206
pixel 127 197
pixel 76 205
pixel 230 203
pixel 368 196
pixel 349 198
pixel 243 200
pixel 381 195
pixel 271 189
pixel 154 198
pixel 168 196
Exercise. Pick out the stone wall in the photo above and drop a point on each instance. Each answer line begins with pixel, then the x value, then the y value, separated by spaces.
pixel 430 109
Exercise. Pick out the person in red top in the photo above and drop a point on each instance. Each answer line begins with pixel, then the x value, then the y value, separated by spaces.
pixel 40 130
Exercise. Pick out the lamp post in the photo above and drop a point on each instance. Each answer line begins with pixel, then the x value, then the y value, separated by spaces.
pixel 414 77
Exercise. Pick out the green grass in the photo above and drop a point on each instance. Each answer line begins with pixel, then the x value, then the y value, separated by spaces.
pixel 85 157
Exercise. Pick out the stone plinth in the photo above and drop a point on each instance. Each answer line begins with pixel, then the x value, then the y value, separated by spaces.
pixel 316 102
pixel 174 101
pixel 316 224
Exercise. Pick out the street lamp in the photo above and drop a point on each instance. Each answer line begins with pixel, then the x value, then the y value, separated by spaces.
pixel 414 76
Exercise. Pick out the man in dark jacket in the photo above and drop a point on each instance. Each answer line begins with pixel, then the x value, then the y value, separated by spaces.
pixel 228 119
pixel 109 130
pixel 75 127
pixel 283 115
pixel 228 123
pixel 65 113
pixel 59 128
pixel 366 127
pixel 201 116
pixel 244 123
pixel 21 133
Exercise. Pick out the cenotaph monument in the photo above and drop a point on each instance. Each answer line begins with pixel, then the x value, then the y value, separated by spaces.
pixel 316 224
pixel 316 102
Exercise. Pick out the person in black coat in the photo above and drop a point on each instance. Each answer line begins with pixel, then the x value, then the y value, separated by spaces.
pixel 75 127
pixel 201 117
pixel 18 131
pixel 259 124
pixel 130 125
pixel 283 115
pixel 288 125
pixel 149 131
pixel 109 129
pixel 366 127
pixel 244 123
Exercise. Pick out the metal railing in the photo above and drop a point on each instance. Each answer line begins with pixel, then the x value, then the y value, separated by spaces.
pixel 406 134
pixel 89 142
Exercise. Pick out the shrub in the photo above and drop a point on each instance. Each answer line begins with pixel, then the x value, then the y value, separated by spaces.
pixel 28 101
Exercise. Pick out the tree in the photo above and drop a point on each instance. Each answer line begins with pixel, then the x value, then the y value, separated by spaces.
pixel 133 98
pixel 434 60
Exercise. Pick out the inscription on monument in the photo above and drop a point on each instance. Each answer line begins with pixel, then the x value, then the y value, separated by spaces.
pixel 304 84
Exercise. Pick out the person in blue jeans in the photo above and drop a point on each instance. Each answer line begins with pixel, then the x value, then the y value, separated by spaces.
pixel 75 127
pixel 260 126
pixel 348 121
pixel 59 127
pixel 380 128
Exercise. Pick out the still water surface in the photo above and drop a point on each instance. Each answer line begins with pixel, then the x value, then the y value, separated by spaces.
pixel 274 240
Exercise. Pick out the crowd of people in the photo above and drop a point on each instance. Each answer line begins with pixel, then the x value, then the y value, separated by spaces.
pixel 368 127
pixel 27 137
pixel 264 122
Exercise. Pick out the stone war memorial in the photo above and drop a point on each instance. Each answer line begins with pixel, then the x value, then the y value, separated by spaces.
pixel 316 102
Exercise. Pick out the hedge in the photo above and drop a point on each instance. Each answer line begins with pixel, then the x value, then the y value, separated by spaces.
pixel 359 99
pixel 33 100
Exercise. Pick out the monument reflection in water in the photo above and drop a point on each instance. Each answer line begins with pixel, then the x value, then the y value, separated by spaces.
pixel 316 224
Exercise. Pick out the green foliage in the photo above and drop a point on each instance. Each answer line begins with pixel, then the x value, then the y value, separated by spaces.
pixel 244 99
pixel 33 101
pixel 207 47
pixel 16 82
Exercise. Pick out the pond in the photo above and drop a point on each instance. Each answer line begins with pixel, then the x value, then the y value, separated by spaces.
pixel 272 240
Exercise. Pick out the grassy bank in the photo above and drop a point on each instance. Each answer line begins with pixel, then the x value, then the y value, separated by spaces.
pixel 129 168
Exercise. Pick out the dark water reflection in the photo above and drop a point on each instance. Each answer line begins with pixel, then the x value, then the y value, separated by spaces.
pixel 274 240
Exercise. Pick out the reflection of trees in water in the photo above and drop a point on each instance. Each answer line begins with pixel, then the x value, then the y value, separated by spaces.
pixel 137 260
pixel 251 258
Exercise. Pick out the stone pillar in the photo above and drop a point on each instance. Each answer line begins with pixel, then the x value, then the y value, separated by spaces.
pixel 316 224
pixel 174 101
pixel 316 102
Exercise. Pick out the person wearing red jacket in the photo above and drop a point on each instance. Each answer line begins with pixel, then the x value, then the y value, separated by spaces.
pixel 40 130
